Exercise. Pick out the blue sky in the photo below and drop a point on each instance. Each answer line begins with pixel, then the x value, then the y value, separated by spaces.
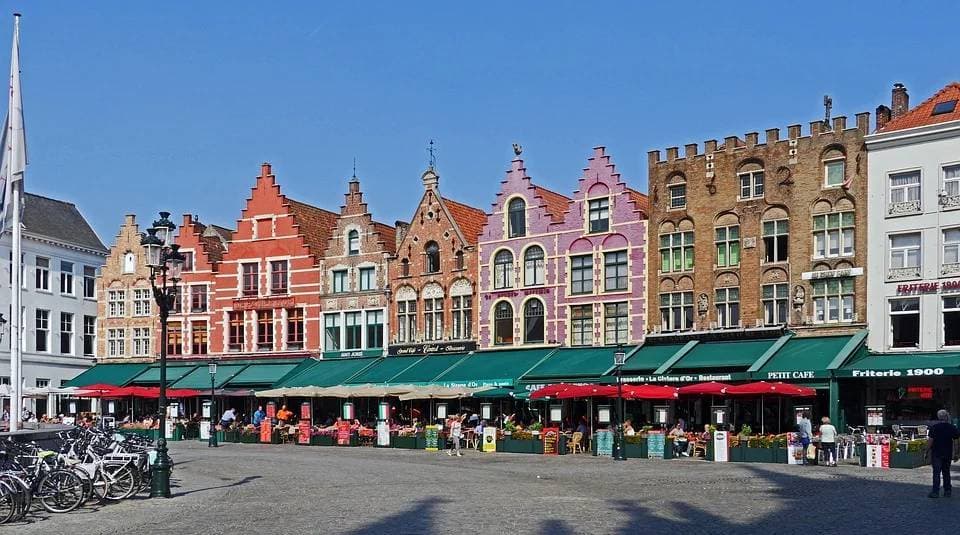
pixel 139 106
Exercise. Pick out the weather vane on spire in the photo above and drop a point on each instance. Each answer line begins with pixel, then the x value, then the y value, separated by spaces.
pixel 827 106
pixel 433 156
pixel 354 167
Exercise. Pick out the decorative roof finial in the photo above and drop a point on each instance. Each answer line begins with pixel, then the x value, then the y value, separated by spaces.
pixel 827 106
pixel 517 149
pixel 433 156
pixel 354 178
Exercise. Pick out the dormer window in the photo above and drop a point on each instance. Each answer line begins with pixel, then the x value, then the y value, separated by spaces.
pixel 517 218
pixel 353 243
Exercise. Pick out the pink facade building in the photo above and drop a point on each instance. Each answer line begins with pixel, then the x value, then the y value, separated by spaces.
pixel 564 271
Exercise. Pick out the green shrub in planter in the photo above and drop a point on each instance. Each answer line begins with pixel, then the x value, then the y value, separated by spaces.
pixel 408 443
pixel 907 459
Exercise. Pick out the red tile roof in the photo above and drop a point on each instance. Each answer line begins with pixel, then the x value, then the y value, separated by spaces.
pixel 641 200
pixel 555 203
pixel 922 115
pixel 316 225
pixel 389 236
pixel 469 219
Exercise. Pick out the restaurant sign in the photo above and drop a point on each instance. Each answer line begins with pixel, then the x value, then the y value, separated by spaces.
pixel 691 378
pixel 516 293
pixel 262 303
pixel 831 273
pixel 928 287
pixel 353 353
pixel 910 372
pixel 798 374
pixel 437 348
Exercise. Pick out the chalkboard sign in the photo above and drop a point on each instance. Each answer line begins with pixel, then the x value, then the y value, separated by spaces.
pixel 603 442
pixel 431 434
pixel 550 437
pixel 655 444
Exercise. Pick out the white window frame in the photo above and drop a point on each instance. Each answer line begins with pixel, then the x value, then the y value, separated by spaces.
pixel 602 211
pixel 754 184
pixel 822 302
pixel 141 302
pixel 678 196
pixel 943 311
pixel 826 171
pixel 727 244
pixel 726 305
pixel 891 313
pixel 774 302
pixel 678 241
pixel 951 183
pixel 67 283
pixel 115 342
pixel 71 326
pixel 42 278
pixel 844 233
pixel 904 189
pixel 116 303
pixel 141 341
pixel 367 277
pixel 686 311
pixel 903 252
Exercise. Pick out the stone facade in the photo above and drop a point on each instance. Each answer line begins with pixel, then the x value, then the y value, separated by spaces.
pixel 422 277
pixel 355 281
pixel 786 217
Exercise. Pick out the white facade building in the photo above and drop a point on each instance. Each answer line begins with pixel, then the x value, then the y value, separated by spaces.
pixel 913 263
pixel 61 257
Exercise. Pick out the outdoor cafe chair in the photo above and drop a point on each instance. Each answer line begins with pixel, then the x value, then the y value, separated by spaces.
pixel 576 443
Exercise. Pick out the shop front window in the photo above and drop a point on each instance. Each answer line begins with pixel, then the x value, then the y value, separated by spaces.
pixel 905 322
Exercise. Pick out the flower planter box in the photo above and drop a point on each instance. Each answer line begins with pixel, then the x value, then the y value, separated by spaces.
pixel 519 446
pixel 635 451
pixel 249 438
pixel 907 459
pixel 231 436
pixel 742 454
pixel 322 440
pixel 407 443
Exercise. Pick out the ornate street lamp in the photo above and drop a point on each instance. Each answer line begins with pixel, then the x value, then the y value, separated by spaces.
pixel 165 263
pixel 619 357
pixel 212 367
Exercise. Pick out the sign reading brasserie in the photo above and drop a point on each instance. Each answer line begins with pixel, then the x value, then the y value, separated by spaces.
pixel 929 287
pixel 693 378
pixel 432 349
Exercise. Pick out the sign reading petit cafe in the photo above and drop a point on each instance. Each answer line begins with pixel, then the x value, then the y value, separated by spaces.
pixel 929 287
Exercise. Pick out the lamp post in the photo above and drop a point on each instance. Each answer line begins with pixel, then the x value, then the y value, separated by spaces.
pixel 165 263
pixel 619 357
pixel 212 367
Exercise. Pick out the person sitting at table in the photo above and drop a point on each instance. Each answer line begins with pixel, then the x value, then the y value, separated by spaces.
pixel 679 440
pixel 284 415
pixel 628 429
pixel 583 427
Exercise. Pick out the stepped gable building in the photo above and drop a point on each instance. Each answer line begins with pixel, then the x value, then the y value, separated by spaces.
pixel 355 280
pixel 125 309
pixel 602 260
pixel 268 284
pixel 761 234
pixel 189 325
pixel 518 255
pixel 434 276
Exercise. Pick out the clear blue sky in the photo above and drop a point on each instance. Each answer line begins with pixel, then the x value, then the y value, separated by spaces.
pixel 138 106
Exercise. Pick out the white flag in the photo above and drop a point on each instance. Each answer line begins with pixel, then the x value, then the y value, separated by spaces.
pixel 13 140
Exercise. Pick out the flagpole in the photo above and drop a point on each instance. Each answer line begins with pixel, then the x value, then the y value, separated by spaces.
pixel 16 183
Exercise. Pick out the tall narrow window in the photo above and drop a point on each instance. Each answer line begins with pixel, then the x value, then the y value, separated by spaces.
pixel 43 274
pixel 141 302
pixel 678 196
pixel 432 251
pixel 187 260
pixel 951 246
pixel 905 192
pixel 616 321
pixel 331 332
pixel 198 298
pixel 295 335
pixel 353 243
pixel 517 218
pixel 533 266
pixel 404 268
pixel 279 275
pixel 176 299
pixel 676 252
pixel 198 331
pixel 951 180
pixel 374 329
pixel 728 246
pixel 905 322
pixel 599 212
pixel 581 325
pixel 236 326
pixel 833 235
pixel 174 338
pixel 581 274
pixel 459 261
pixel 833 173
pixel 751 184
pixel 615 274
pixel 676 311
pixel 776 237
pixel 89 282
pixel 833 300
pixel 503 324
pixel 728 307
pixel 407 320
pixel 66 333
pixel 462 317
pixel 951 320
pixel 368 279
pixel 42 334
pixel 89 335
pixel 353 330
pixel 66 278
pixel 503 270
pixel 251 279
pixel 433 319
pixel 116 343
pixel 264 330
pixel 533 322
pixel 340 281
pixel 141 341
pixel 775 303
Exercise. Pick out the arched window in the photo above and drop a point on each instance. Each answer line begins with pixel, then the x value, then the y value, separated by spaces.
pixel 533 266
pixel 517 218
pixel 404 268
pixel 353 242
pixel 458 258
pixel 503 324
pixel 503 270
pixel 433 256
pixel 533 322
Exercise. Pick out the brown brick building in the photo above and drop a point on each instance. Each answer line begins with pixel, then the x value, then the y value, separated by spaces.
pixel 749 234
pixel 433 276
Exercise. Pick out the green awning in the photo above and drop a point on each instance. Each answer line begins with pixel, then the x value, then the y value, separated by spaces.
pixel 108 374
pixel 384 370
pixel 427 369
pixel 725 356
pixel 495 393
pixel 259 375
pixel 650 357
pixel 803 358
pixel 328 372
pixel 199 378
pixel 907 365
pixel 151 376
pixel 492 368
pixel 574 364
pixel 302 366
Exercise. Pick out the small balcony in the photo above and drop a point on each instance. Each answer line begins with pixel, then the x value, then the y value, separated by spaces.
pixel 949 269
pixel 904 208
pixel 903 274
pixel 950 202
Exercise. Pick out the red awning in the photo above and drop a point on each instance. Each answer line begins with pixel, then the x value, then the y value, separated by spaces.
pixel 763 388
pixel 712 388
pixel 588 391
pixel 649 392
pixel 150 392
pixel 549 391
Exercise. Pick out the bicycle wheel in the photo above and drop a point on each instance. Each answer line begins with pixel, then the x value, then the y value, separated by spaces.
pixel 60 491
pixel 87 482
pixel 123 483
pixel 8 505
pixel 22 497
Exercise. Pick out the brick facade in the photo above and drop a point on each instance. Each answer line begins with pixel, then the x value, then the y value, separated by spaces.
pixel 814 179
pixel 420 283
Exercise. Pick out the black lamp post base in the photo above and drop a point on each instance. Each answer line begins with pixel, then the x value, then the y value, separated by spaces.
pixel 212 443
pixel 160 478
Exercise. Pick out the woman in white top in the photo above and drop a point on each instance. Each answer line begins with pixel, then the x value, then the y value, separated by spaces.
pixel 456 431
pixel 828 441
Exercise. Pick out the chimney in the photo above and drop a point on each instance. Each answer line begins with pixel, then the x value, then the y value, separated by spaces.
pixel 690 150
pixel 900 100
pixel 773 135
pixel 671 153
pixel 839 124
pixel 863 122
pixel 883 116
pixel 430 179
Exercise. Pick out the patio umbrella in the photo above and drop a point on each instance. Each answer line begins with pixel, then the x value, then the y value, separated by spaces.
pixel 763 389
pixel 550 391
pixel 712 388
pixel 648 392
pixel 588 391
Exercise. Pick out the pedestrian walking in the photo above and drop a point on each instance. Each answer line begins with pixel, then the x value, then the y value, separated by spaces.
pixel 456 431
pixel 806 431
pixel 940 439
pixel 828 441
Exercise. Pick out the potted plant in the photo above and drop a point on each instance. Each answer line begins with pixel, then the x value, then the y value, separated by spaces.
pixel 908 454
pixel 249 435
pixel 521 441
pixel 635 447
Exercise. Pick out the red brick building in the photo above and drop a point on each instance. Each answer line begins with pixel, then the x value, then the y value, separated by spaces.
pixel 434 276
pixel 355 281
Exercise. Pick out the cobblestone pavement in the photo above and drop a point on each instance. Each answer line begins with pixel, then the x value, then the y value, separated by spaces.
pixel 240 488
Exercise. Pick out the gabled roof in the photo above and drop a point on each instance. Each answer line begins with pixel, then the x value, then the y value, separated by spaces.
pixel 640 199
pixel 316 225
pixel 60 221
pixel 389 236
pixel 212 238
pixel 922 115
pixel 469 219
pixel 554 203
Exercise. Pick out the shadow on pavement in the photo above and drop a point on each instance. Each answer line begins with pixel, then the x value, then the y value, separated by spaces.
pixel 237 483
pixel 417 519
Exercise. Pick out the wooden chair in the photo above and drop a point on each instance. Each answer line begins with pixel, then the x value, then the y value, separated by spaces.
pixel 576 443
pixel 700 446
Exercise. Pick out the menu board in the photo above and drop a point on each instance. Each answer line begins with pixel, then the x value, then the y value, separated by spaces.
pixel 655 444
pixel 603 442
pixel 431 435
pixel 720 451
pixel 489 439
pixel 875 415
pixel 550 437
pixel 266 431
pixel 271 410
pixel 305 410
pixel 204 430
pixel 878 451
pixel 303 432
pixel 168 432
pixel 383 434
pixel 343 433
